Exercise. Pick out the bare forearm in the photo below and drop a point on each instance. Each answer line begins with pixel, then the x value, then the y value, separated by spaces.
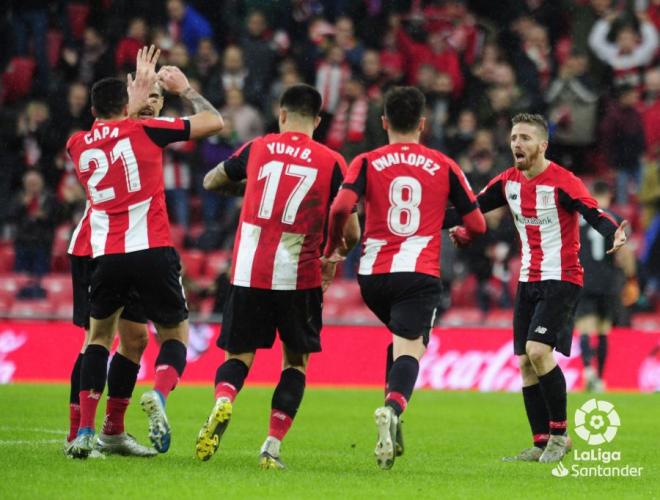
pixel 198 101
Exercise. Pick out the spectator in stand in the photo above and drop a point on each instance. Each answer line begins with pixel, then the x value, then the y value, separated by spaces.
pixel 345 38
pixel 205 66
pixel 234 75
pixel 176 175
pixel 372 76
pixel 356 125
pixel 431 49
pixel 572 109
pixel 260 56
pixel 34 212
pixel 622 139
pixel 331 76
pixel 247 121
pixel 630 52
pixel 94 61
pixel 30 20
pixel 391 58
pixel 127 47
pixel 460 136
pixel 452 18
pixel 649 192
pixel 186 25
pixel 77 113
pixel 440 110
pixel 537 47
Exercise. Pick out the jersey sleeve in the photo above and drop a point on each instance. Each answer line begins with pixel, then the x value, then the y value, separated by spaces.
pixel 165 130
pixel 492 196
pixel 356 177
pixel 236 164
pixel 574 197
pixel 460 193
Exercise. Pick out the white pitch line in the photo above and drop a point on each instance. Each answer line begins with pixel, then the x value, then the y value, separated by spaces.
pixel 32 429
pixel 25 441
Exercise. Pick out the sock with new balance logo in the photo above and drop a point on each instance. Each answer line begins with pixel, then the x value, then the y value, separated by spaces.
pixel 285 403
pixel 92 382
pixel 537 414
pixel 170 364
pixel 553 388
pixel 402 378
pixel 229 378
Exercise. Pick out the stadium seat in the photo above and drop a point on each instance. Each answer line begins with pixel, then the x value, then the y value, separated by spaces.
pixel 31 309
pixel 5 305
pixel 500 318
pixel 63 310
pixel 54 41
pixel 462 316
pixel 77 14
pixel 463 292
pixel 6 259
pixel 344 290
pixel 13 282
pixel 177 233
pixel 17 79
pixel 193 263
pixel 216 262
pixel 206 307
pixel 646 321
pixel 58 286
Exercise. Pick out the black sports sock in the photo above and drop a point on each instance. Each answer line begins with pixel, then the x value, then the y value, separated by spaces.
pixel 74 395
pixel 230 377
pixel 289 392
pixel 585 347
pixel 537 414
pixel 553 387
pixel 388 364
pixel 122 376
pixel 173 353
pixel 93 371
pixel 403 376
pixel 602 354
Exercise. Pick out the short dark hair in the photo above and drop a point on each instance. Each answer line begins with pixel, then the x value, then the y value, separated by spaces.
pixel 404 107
pixel 109 97
pixel 601 188
pixel 532 119
pixel 302 99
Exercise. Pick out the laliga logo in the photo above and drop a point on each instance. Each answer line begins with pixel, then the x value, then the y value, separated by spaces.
pixel 597 422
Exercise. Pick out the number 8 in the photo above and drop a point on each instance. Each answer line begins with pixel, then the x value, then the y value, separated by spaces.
pixel 407 208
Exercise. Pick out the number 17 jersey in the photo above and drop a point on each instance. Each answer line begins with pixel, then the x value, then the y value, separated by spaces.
pixel 291 182
pixel 406 187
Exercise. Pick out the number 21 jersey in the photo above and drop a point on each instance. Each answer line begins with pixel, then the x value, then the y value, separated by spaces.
pixel 120 165
pixel 291 182
pixel 406 187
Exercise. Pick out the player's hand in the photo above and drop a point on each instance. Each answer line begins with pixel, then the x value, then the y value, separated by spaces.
pixel 460 236
pixel 328 269
pixel 147 58
pixel 620 237
pixel 145 77
pixel 173 80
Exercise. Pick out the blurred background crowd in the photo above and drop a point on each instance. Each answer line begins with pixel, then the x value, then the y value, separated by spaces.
pixel 592 67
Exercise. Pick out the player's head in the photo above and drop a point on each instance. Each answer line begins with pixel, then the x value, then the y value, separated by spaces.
pixel 529 140
pixel 154 104
pixel 300 103
pixel 109 98
pixel 602 192
pixel 404 110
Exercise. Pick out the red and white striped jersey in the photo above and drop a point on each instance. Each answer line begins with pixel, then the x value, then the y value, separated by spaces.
pixel 291 182
pixel 80 244
pixel 176 165
pixel 546 213
pixel 120 164
pixel 406 187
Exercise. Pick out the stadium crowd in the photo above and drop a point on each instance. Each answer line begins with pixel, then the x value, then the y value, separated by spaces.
pixel 592 67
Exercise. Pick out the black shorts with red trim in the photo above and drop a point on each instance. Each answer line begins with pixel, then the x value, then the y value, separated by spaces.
pixel 544 312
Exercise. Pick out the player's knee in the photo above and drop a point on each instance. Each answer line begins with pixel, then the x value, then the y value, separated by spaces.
pixel 536 353
pixel 524 363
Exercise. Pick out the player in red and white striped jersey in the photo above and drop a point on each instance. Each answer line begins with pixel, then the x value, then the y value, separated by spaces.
pixel 125 363
pixel 406 188
pixel 277 277
pixel 545 200
pixel 119 161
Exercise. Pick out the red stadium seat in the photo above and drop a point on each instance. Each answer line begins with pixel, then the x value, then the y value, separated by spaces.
pixel 463 292
pixel 7 257
pixel 500 318
pixel 465 316
pixel 343 290
pixel 77 14
pixel 193 263
pixel 63 310
pixel 61 240
pixel 54 40
pixel 12 283
pixel 17 79
pixel 58 286
pixel 30 309
pixel 177 233
pixel 216 262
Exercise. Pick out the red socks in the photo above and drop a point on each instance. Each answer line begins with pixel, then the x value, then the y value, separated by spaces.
pixel 280 423
pixel 114 415
pixel 226 390
pixel 74 421
pixel 165 379
pixel 89 401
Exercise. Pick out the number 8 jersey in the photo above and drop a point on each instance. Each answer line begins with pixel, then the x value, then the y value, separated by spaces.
pixel 291 182
pixel 406 187
pixel 120 165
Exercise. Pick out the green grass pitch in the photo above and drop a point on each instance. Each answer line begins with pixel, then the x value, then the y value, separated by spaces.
pixel 454 441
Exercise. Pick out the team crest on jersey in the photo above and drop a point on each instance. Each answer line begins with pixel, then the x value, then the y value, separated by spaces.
pixel 547 199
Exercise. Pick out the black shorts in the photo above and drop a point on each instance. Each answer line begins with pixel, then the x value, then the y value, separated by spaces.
pixel 80 276
pixel 154 274
pixel 604 306
pixel 406 302
pixel 545 312
pixel 252 315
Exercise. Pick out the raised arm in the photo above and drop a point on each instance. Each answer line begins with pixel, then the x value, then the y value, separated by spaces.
pixel 145 77
pixel 207 120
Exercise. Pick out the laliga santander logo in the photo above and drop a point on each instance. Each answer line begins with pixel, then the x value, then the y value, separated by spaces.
pixel 597 422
